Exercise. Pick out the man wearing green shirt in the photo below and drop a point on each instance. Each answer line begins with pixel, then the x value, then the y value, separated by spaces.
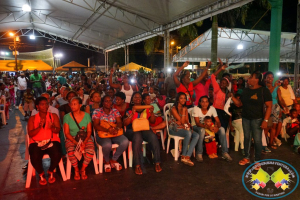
pixel 36 80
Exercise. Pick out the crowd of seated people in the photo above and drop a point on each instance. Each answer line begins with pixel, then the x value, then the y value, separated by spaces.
pixel 64 111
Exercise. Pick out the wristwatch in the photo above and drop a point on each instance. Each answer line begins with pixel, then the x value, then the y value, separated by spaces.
pixel 266 120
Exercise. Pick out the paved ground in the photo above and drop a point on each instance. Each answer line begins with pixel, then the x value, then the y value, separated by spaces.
pixel 212 179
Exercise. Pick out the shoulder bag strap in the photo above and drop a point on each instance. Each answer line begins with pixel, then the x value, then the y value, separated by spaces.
pixel 75 121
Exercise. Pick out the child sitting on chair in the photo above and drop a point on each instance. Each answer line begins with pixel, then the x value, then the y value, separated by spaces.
pixel 209 139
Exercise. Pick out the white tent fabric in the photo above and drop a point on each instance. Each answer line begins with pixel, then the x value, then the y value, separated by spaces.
pixel 255 46
pixel 107 24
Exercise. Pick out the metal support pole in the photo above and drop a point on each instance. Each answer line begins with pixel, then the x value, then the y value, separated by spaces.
pixel 105 58
pixel 296 66
pixel 275 35
pixel 166 48
pixel 127 54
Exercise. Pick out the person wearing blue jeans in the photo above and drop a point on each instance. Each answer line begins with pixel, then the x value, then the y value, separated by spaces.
pixel 222 138
pixel 198 114
pixel 37 91
pixel 187 146
pixel 107 143
pixel 252 129
pixel 20 94
pixel 257 107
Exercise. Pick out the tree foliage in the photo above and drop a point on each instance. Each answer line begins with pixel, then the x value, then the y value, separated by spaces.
pixel 152 44
pixel 190 30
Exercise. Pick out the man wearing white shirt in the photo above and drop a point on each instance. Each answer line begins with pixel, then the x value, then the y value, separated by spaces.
pixel 22 86
pixel 51 109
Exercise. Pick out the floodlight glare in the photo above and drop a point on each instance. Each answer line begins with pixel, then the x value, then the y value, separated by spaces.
pixel 32 37
pixel 2 53
pixel 240 46
pixel 26 8
pixel 58 55
pixel 169 69
pixel 11 34
pixel 132 80
pixel 278 73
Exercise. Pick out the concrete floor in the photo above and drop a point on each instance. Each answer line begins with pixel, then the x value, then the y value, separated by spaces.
pixel 212 179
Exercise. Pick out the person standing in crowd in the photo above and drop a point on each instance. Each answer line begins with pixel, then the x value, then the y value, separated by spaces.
pixel 61 79
pixel 220 94
pixel 202 88
pixel 22 86
pixel 169 84
pixel 161 81
pixel 185 85
pixel 110 115
pixel 83 97
pixel 71 129
pixel 43 129
pixel 126 87
pixel 28 102
pixel 36 80
pixel 66 108
pixel 286 95
pixel 276 110
pixel 11 88
pixel 254 116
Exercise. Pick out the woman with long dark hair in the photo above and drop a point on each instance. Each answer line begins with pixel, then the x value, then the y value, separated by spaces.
pixel 253 100
pixel 180 126
pixel 185 85
pixel 138 137
pixel 276 110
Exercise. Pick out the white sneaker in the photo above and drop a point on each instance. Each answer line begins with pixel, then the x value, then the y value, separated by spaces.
pixel 17 107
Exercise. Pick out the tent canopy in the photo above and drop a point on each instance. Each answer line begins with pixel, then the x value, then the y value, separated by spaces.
pixel 9 65
pixel 73 64
pixel 106 24
pixel 253 44
pixel 133 67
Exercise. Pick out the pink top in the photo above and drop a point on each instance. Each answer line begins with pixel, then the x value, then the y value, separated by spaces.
pixel 219 96
pixel 45 133
pixel 161 103
pixel 201 90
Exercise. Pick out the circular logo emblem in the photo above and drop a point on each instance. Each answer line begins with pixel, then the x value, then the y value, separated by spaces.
pixel 275 179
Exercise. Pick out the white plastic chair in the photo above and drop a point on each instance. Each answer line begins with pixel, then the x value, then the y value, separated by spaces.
pixel 130 153
pixel 168 105
pixel 100 154
pixel 69 165
pixel 31 170
pixel 2 112
pixel 175 138
pixel 161 138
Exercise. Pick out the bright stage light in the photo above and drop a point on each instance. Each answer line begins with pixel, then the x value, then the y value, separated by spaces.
pixel 26 8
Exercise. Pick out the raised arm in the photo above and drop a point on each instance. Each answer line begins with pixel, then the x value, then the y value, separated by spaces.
pixel 111 84
pixel 175 75
pixel 195 82
pixel 221 67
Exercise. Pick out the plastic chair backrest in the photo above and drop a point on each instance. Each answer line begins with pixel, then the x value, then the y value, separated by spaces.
pixel 169 105
pixel 190 111
pixel 167 114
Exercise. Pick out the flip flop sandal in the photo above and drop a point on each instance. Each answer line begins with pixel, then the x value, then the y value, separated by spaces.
pixel 51 178
pixel 42 180
pixel 138 170
pixel 107 168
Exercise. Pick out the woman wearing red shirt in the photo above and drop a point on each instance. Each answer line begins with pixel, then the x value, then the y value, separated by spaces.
pixel 185 85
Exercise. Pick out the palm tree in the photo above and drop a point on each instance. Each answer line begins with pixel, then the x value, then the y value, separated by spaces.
pixel 230 18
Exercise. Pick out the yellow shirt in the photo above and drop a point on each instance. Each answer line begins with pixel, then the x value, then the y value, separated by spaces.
pixel 286 95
